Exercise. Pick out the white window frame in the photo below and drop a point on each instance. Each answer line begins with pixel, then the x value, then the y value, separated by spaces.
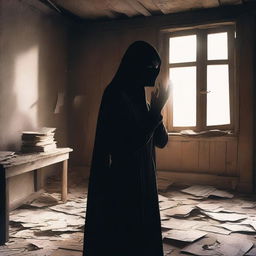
pixel 201 65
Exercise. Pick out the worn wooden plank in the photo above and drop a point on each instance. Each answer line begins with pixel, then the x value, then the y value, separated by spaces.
pixel 89 9
pixel 192 178
pixel 246 81
pixel 198 138
pixel 189 155
pixel 100 9
pixel 150 6
pixel 173 6
pixel 218 157
pixel 30 157
pixel 122 7
pixel 230 2
pixel 232 155
pixel 136 5
pixel 204 156
pixel 169 158
pixel 29 166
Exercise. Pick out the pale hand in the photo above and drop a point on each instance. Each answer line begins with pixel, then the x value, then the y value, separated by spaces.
pixel 159 98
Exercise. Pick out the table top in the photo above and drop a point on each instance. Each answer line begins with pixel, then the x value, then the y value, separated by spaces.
pixel 21 158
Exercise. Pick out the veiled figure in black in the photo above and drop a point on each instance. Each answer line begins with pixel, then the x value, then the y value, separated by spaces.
pixel 122 216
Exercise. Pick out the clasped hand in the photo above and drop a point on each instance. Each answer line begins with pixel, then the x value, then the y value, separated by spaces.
pixel 159 98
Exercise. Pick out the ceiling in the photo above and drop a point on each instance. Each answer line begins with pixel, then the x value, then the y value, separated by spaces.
pixel 114 9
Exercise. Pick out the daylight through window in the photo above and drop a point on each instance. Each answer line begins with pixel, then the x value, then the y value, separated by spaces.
pixel 200 69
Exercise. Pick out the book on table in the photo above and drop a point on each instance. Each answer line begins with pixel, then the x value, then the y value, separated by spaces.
pixel 41 140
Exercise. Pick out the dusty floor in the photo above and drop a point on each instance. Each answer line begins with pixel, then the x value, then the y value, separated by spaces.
pixel 197 221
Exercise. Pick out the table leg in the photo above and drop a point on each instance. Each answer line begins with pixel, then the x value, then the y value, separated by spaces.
pixel 4 207
pixel 38 180
pixel 64 191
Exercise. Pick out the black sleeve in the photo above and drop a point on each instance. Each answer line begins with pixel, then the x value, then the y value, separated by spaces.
pixel 160 136
pixel 126 134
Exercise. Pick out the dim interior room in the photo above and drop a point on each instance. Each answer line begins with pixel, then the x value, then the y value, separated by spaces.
pixel 56 59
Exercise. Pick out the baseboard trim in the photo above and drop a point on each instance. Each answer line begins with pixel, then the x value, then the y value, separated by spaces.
pixel 188 178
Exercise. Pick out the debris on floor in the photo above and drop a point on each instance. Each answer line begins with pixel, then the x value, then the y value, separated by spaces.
pixel 231 246
pixel 206 191
pixel 208 221
pixel 47 226
pixel 198 220
pixel 163 184
pixel 184 235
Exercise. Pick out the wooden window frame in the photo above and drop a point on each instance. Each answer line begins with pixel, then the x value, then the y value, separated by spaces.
pixel 201 75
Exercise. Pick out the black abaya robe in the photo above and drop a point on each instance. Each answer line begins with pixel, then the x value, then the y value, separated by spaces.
pixel 122 217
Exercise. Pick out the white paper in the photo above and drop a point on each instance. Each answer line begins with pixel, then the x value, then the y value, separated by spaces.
pixel 225 216
pixel 185 236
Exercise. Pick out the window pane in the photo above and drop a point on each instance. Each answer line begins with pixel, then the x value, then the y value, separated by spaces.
pixel 218 108
pixel 182 49
pixel 217 46
pixel 183 80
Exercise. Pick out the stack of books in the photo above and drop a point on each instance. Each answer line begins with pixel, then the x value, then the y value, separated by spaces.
pixel 38 141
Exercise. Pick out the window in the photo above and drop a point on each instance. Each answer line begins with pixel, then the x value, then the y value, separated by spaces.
pixel 200 66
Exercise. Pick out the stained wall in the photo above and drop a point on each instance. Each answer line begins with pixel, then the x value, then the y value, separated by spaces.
pixel 33 70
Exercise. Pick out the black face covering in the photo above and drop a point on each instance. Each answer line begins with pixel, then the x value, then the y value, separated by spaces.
pixel 150 73
pixel 139 67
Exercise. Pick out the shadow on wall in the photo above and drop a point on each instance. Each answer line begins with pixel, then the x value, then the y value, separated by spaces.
pixel 32 71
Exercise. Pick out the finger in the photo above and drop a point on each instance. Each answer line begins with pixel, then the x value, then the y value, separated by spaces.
pixel 161 92
pixel 168 89
pixel 157 91
pixel 153 96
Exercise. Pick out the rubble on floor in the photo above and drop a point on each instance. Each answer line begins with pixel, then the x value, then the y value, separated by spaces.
pixel 197 220
pixel 211 222
pixel 47 226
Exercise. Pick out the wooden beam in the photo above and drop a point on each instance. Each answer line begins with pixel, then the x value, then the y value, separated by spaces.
pixel 89 9
pixel 121 7
pixel 174 6
pixel 138 7
pixel 230 2
pixel 150 6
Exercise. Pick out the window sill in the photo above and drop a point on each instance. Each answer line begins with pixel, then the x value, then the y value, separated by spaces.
pixel 204 134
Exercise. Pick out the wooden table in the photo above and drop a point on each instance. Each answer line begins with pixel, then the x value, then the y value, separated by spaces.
pixel 23 163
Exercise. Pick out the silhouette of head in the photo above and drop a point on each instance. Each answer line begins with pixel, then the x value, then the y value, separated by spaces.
pixel 139 66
